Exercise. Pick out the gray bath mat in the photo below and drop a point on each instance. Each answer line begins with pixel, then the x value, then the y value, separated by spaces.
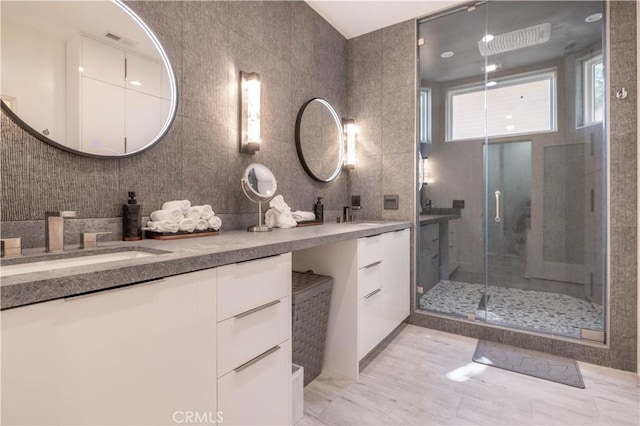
pixel 532 363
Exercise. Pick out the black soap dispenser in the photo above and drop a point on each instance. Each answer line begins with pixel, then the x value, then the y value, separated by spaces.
pixel 131 219
pixel 318 209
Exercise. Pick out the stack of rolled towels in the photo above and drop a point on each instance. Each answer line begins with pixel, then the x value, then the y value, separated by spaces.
pixel 280 215
pixel 180 215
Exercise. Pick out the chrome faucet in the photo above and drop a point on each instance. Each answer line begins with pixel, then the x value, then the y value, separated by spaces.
pixel 54 229
pixel 349 213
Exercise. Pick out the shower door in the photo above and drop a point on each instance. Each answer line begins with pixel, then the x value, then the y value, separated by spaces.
pixel 517 140
pixel 543 168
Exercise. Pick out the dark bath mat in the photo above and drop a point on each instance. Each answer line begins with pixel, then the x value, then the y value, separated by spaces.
pixel 532 363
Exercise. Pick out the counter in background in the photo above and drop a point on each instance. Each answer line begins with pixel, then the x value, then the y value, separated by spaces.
pixel 438 249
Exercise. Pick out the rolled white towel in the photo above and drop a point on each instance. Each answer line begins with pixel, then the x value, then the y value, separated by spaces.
pixel 207 212
pixel 300 215
pixel 173 215
pixel 215 223
pixel 163 226
pixel 271 218
pixel 279 204
pixel 285 220
pixel 194 212
pixel 202 224
pixel 187 224
pixel 183 205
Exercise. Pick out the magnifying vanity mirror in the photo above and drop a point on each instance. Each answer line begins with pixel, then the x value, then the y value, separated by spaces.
pixel 320 140
pixel 259 185
pixel 88 77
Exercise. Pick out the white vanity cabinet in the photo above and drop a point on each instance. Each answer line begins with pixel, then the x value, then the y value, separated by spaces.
pixel 254 341
pixel 370 295
pixel 397 278
pixel 143 354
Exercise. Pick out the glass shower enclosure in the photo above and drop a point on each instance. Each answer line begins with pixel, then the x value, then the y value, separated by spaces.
pixel 512 129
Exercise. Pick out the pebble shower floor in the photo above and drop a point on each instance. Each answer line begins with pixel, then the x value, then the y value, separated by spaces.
pixel 534 310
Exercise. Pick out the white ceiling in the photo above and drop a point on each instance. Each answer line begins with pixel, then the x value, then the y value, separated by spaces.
pixel 356 17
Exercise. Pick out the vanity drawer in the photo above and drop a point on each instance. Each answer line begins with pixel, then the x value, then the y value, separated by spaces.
pixel 370 250
pixel 371 328
pixel 242 338
pixel 370 277
pixel 248 285
pixel 258 393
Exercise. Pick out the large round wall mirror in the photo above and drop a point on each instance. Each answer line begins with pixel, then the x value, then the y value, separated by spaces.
pixel 88 77
pixel 320 140
pixel 259 185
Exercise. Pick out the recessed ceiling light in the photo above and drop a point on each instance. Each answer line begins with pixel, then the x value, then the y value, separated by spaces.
pixel 487 38
pixel 593 18
pixel 492 67
pixel 446 54
pixel 508 117
pixel 136 83
pixel 510 127
pixel 491 83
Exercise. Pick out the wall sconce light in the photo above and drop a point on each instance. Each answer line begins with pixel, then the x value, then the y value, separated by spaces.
pixel 350 131
pixel 249 112
pixel 426 172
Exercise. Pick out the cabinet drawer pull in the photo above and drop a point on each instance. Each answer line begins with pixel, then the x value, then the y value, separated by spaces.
pixel 111 290
pixel 256 359
pixel 373 293
pixel 435 255
pixel 254 310
pixel 372 264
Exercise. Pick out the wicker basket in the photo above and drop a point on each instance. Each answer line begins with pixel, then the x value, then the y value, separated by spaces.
pixel 310 309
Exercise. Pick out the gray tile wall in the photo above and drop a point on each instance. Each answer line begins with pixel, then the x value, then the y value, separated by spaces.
pixel 623 292
pixel 298 56
pixel 382 100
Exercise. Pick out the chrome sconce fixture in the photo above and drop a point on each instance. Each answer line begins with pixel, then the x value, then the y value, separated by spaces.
pixel 350 131
pixel 249 112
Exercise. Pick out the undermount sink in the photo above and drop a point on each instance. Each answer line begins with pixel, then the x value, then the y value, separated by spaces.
pixel 70 260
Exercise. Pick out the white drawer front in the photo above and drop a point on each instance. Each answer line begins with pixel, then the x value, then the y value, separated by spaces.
pixel 241 339
pixel 260 394
pixel 370 250
pixel 247 285
pixel 370 278
pixel 371 329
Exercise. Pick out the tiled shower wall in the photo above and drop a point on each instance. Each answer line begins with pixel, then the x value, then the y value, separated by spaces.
pixel 298 56
pixel 621 348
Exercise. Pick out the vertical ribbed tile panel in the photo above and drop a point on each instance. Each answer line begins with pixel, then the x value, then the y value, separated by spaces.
pixel 299 56
pixel 16 167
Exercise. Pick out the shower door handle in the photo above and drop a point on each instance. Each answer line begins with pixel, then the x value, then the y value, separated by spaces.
pixel 498 218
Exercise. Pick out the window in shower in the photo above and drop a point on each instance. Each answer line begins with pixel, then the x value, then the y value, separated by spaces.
pixel 592 90
pixel 516 105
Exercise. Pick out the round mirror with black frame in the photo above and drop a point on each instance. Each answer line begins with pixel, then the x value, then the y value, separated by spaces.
pixel 320 140
pixel 88 77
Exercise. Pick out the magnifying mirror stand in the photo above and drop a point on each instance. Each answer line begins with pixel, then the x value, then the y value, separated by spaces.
pixel 260 227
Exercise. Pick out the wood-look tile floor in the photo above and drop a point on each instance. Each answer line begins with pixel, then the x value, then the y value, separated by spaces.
pixel 426 377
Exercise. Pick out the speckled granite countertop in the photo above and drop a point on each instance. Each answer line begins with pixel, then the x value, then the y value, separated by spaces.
pixel 182 256
pixel 432 218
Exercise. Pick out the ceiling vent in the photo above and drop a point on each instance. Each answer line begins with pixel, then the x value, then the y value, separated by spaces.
pixel 514 40
pixel 121 40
